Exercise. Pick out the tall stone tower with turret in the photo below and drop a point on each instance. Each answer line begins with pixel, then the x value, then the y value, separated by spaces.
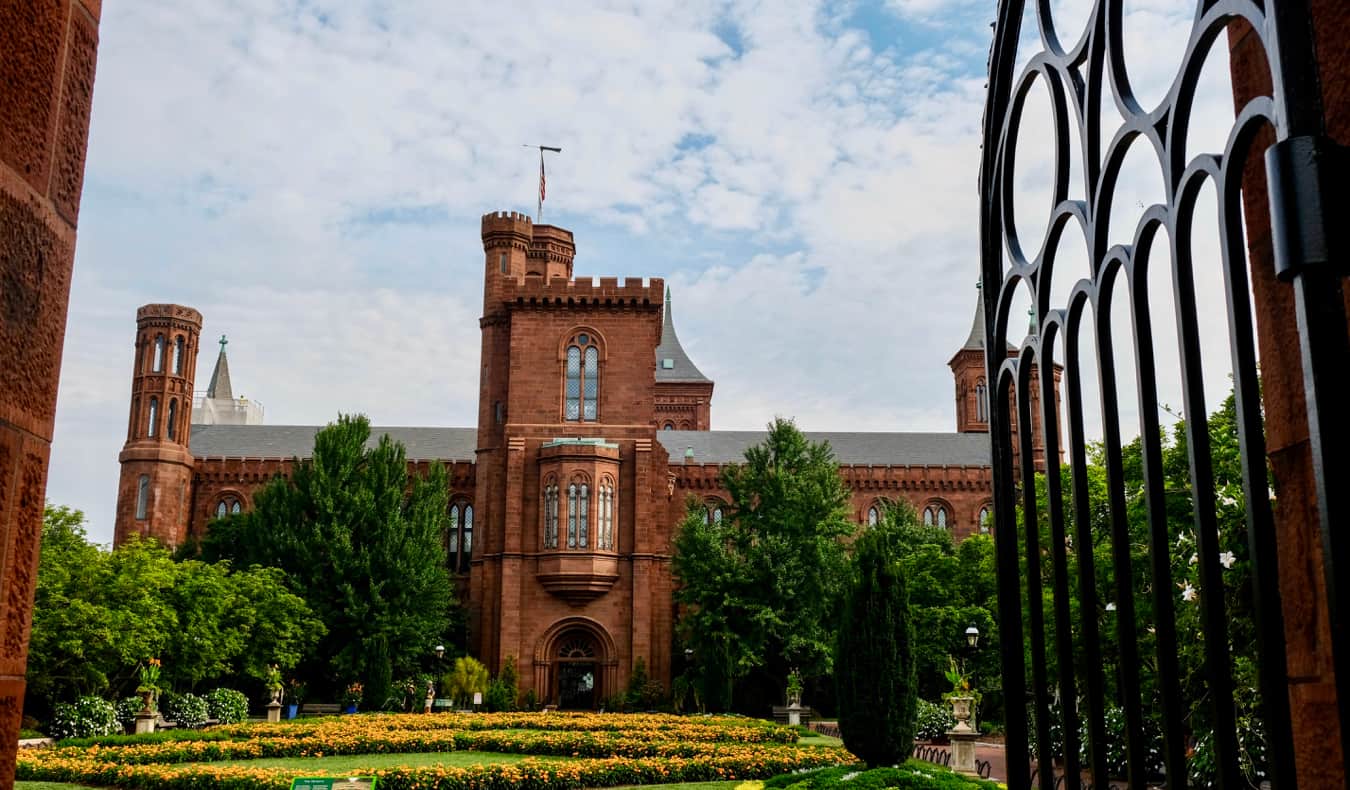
pixel 153 495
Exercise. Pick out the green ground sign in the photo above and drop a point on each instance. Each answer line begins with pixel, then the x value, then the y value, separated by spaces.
pixel 352 783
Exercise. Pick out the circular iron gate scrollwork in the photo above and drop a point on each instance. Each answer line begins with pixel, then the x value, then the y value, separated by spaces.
pixel 1082 79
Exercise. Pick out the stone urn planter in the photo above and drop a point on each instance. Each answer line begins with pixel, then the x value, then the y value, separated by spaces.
pixel 147 702
pixel 962 709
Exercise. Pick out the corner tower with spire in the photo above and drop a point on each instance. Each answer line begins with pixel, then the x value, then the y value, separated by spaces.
pixel 683 394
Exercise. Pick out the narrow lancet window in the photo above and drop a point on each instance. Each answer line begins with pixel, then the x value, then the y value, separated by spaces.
pixel 572 516
pixel 153 418
pixel 142 497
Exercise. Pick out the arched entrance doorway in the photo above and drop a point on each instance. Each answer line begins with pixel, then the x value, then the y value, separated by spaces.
pixel 575 664
pixel 577 672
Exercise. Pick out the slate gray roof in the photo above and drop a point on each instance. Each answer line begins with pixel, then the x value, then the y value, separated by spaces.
pixel 297 441
pixel 879 449
pixel 458 444
pixel 976 339
pixel 682 368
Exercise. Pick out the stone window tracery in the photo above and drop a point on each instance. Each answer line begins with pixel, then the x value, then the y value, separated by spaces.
pixel 986 518
pixel 228 506
pixel 935 515
pixel 713 511
pixel 459 537
pixel 873 516
pixel 582 379
pixel 584 517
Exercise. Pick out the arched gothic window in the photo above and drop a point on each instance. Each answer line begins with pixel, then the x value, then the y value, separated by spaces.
pixel 142 497
pixel 605 522
pixel 582 387
pixel 551 516
pixel 459 538
pixel 572 516
pixel 935 515
pixel 873 516
pixel 159 354
pixel 228 506
pixel 670 426
pixel 986 518
pixel 584 517
pixel 170 425
pixel 178 356
pixel 153 417
pixel 713 512
pixel 981 401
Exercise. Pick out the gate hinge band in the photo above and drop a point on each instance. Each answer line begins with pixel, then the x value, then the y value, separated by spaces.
pixel 1309 213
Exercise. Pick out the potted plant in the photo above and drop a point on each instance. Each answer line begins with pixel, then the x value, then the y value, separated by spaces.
pixel 295 694
pixel 351 698
pixel 148 689
pixel 274 686
pixel 794 689
pixel 962 697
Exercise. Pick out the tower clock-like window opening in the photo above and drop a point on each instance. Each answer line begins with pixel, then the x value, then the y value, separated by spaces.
pixel 582 379
pixel 551 516
pixel 935 516
pixel 142 497
pixel 159 354
pixel 981 401
pixel 169 429
pixel 153 417
pixel 178 356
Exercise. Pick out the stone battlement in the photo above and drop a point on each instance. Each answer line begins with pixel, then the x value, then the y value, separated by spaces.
pixel 174 311
pixel 585 290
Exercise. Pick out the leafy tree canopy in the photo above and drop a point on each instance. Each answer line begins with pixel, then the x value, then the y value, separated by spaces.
pixel 362 542
pixel 761 588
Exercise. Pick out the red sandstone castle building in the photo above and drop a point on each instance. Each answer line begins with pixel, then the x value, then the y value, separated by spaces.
pixel 594 430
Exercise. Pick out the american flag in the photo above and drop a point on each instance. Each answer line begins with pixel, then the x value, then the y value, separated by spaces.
pixel 541 176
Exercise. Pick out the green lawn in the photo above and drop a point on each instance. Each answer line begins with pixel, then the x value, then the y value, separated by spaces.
pixel 351 762
pixel 687 786
pixel 816 739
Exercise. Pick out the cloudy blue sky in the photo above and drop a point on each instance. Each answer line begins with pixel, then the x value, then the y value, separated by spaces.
pixel 309 175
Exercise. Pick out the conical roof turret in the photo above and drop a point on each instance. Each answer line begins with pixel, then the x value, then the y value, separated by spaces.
pixel 672 363
pixel 219 387
pixel 976 339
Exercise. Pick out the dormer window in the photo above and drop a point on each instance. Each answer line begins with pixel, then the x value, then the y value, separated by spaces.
pixel 582 387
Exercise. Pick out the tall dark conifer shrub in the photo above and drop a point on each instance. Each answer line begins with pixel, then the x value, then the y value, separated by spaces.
pixel 874 665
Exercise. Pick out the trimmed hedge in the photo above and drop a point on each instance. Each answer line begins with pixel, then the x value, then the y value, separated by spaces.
pixel 912 775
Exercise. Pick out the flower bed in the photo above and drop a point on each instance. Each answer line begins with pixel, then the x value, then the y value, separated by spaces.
pixel 616 750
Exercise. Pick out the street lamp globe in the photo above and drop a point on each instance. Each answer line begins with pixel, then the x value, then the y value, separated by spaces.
pixel 972 637
pixel 440 651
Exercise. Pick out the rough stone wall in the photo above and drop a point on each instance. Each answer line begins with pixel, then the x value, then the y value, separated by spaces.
pixel 1312 681
pixel 963 490
pixel 687 406
pixel 48 51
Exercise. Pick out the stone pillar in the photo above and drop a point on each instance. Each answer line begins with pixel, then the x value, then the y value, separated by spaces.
pixel 145 722
pixel 1312 681
pixel 48 52
pixel 273 712
pixel 963 736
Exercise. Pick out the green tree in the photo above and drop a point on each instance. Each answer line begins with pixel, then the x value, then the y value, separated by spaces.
pixel 760 589
pixel 100 614
pixel 362 542
pixel 468 677
pixel 874 670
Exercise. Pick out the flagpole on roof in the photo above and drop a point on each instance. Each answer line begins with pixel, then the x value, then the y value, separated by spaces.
pixel 539 206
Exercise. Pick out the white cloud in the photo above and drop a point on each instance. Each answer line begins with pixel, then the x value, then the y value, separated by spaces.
pixel 310 177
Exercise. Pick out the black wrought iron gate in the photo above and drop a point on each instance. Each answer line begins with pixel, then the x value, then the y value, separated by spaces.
pixel 1091 650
